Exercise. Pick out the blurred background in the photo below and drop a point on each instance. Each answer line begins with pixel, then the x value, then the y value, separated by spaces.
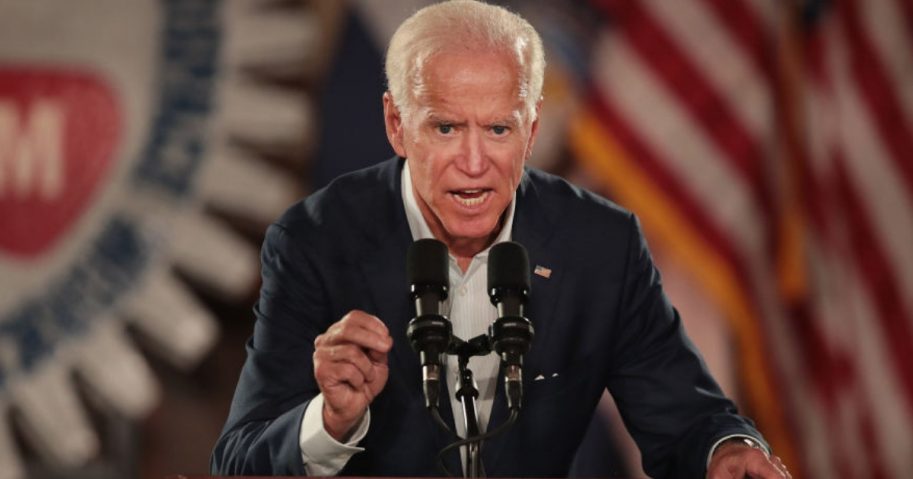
pixel 767 147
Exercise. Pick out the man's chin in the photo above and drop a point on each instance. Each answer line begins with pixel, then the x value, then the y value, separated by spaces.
pixel 473 233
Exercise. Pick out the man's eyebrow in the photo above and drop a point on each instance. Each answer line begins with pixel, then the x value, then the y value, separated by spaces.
pixel 432 115
pixel 437 118
pixel 511 120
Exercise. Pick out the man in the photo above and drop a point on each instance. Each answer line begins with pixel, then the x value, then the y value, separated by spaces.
pixel 331 385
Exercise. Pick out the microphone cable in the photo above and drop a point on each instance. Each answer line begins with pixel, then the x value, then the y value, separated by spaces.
pixel 511 419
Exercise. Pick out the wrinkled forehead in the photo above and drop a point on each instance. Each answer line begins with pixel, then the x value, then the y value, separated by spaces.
pixel 483 77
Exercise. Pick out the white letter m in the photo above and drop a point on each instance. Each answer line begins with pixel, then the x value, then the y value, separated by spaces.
pixel 31 150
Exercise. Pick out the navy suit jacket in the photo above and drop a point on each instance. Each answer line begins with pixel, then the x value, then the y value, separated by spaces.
pixel 601 321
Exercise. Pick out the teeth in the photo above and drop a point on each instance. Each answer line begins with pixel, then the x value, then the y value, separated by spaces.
pixel 471 201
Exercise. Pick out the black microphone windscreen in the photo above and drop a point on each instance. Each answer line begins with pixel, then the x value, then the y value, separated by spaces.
pixel 508 266
pixel 427 263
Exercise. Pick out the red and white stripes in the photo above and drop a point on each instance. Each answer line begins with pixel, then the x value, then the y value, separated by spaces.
pixel 775 158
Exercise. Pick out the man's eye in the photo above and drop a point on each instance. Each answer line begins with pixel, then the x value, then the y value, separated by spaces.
pixel 499 130
pixel 445 128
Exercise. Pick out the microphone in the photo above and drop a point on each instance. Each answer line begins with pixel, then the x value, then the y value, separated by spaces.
pixel 512 333
pixel 430 332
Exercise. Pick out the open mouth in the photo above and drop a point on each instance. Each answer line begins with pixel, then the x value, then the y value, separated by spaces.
pixel 471 197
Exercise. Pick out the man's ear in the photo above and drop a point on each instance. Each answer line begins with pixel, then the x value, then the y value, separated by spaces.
pixel 393 120
pixel 533 131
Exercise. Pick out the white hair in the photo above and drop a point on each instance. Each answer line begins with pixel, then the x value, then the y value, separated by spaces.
pixel 464 24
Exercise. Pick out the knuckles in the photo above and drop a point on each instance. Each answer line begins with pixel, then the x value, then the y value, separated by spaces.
pixel 337 358
pixel 344 330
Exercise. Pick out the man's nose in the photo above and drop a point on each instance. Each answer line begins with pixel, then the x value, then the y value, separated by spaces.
pixel 473 159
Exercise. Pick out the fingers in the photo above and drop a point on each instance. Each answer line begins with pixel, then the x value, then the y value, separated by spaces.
pixel 377 357
pixel 743 461
pixel 780 467
pixel 352 353
pixel 350 366
pixel 349 354
pixel 342 373
pixel 358 328
pixel 766 468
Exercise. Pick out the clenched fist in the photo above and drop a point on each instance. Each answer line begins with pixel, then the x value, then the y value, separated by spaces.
pixel 350 365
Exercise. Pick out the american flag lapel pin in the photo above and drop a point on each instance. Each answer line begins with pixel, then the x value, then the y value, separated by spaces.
pixel 542 271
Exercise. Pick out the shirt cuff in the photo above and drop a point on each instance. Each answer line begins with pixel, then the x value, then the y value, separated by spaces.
pixel 322 455
pixel 734 436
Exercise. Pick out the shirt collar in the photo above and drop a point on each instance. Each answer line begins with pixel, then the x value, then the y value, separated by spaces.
pixel 419 227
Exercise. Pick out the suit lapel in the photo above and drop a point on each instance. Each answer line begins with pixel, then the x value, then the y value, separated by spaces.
pixel 385 275
pixel 383 265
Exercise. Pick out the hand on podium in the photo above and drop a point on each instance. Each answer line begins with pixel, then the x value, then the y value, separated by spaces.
pixel 737 458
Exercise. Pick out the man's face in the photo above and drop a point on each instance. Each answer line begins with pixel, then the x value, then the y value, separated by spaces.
pixel 466 140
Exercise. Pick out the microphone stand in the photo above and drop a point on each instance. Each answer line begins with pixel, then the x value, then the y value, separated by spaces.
pixel 467 393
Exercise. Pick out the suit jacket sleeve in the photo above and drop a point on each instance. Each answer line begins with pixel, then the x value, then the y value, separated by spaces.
pixel 671 405
pixel 261 434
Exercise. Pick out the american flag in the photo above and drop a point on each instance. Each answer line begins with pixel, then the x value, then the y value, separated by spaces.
pixel 768 146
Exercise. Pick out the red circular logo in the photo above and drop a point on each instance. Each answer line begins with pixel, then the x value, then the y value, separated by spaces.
pixel 58 132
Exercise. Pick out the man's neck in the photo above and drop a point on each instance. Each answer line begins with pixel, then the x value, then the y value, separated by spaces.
pixel 466 249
